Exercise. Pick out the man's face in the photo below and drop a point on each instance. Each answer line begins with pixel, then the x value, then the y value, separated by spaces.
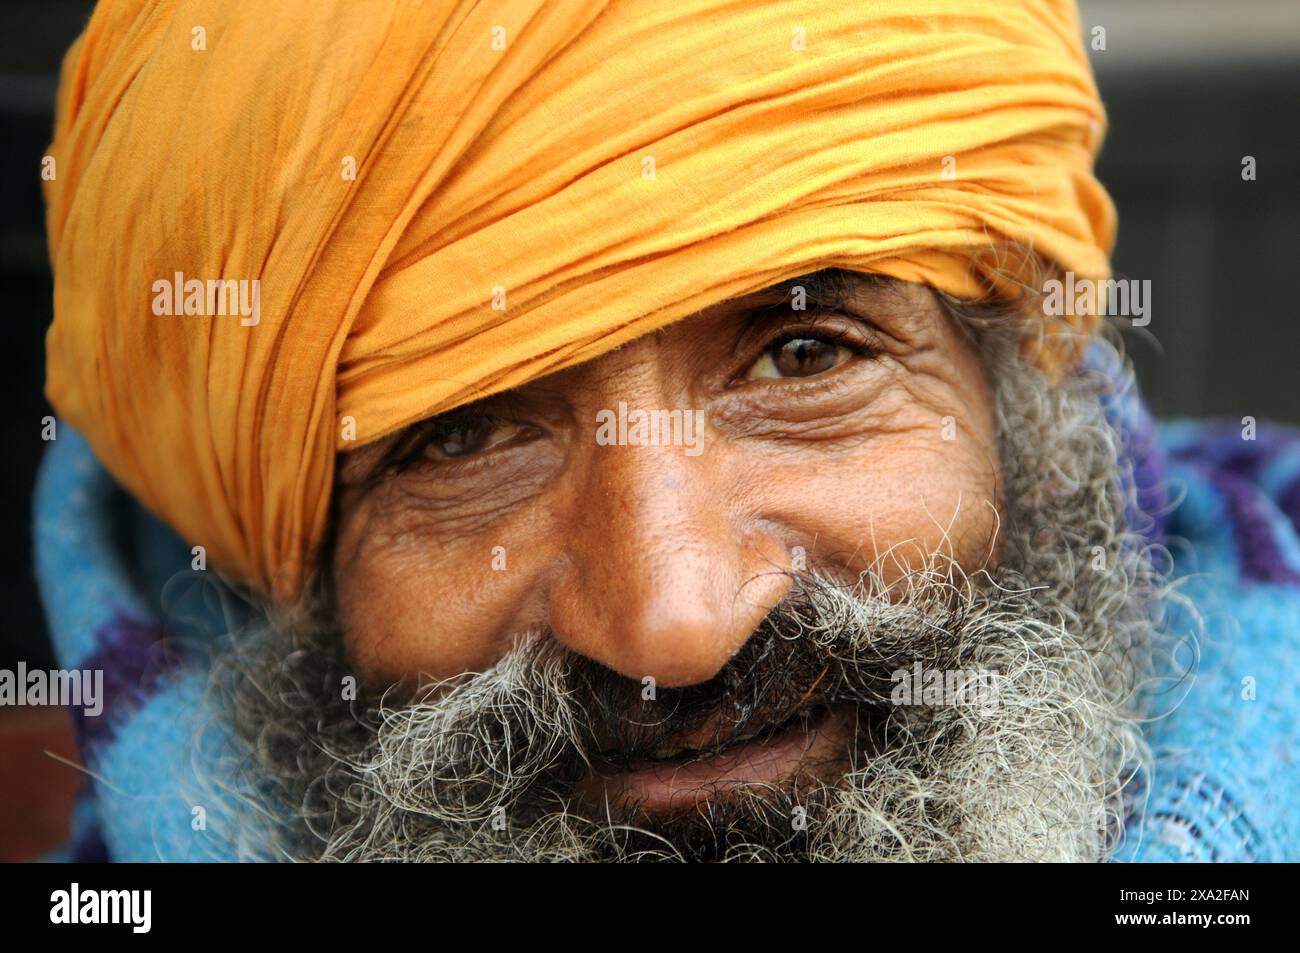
pixel 838 615
pixel 830 424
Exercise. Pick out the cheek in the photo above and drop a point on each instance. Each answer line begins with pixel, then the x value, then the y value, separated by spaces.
pixel 413 600
pixel 918 497
pixel 924 478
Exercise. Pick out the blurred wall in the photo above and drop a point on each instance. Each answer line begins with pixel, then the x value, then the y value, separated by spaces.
pixel 33 37
pixel 1192 86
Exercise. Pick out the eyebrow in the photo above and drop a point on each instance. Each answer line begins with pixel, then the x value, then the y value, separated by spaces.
pixel 827 289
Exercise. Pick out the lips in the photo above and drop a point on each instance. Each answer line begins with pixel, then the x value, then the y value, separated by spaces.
pixel 709 741
pixel 685 772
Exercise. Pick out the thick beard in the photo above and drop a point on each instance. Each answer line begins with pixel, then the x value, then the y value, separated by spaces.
pixel 485 767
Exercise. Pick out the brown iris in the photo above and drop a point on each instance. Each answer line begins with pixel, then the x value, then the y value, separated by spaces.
pixel 799 357
pixel 804 357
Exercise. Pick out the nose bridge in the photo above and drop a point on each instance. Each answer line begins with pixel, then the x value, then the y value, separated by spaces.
pixel 665 576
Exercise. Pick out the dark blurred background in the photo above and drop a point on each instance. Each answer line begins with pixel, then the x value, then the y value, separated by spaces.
pixel 1192 86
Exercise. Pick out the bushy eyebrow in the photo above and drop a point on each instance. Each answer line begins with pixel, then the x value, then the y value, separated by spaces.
pixel 830 289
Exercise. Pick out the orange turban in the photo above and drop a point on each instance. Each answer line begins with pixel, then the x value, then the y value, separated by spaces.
pixel 443 199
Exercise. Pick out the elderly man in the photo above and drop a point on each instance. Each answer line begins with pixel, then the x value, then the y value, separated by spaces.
pixel 609 430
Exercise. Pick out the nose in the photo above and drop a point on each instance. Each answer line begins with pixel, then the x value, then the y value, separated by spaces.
pixel 665 575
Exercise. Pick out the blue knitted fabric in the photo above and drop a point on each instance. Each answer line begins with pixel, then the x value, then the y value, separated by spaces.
pixel 1225 786
pixel 1227 779
pixel 103 564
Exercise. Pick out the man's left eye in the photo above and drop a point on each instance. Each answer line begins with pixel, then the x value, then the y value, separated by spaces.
pixel 468 436
pixel 798 357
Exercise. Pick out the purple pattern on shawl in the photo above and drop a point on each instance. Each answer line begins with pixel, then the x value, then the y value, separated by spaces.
pixel 1150 472
pixel 1262 560
pixel 1289 502
pixel 1223 446
pixel 137 658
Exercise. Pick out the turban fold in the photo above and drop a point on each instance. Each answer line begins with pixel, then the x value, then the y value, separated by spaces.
pixel 439 200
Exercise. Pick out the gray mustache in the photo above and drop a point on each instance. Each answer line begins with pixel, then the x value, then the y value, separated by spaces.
pixel 537 721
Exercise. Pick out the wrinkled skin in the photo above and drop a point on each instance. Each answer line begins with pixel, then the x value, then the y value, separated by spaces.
pixel 646 559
